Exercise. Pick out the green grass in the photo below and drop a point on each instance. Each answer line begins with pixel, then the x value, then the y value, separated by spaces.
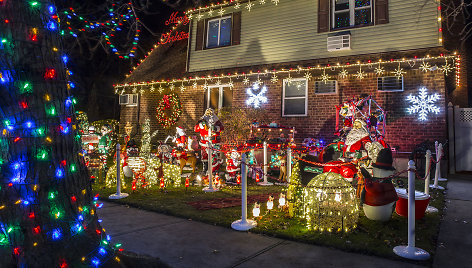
pixel 370 237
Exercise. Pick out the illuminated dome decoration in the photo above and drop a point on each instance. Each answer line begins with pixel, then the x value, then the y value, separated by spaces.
pixel 330 204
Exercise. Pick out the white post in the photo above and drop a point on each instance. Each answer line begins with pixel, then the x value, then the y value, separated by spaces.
pixel 427 172
pixel 429 209
pixel 118 194
pixel 438 169
pixel 289 163
pixel 243 224
pixel 441 153
pixel 452 144
pixel 265 182
pixel 210 166
pixel 410 251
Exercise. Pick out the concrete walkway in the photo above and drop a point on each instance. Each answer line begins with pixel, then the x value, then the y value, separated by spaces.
pixel 185 243
pixel 455 235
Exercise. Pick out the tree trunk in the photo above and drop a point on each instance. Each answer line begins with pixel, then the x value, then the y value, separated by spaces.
pixel 47 213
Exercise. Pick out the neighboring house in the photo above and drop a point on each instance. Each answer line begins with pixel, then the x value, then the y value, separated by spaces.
pixel 311 55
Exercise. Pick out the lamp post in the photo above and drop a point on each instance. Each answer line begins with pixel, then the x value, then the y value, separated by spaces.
pixel 118 194
pixel 243 224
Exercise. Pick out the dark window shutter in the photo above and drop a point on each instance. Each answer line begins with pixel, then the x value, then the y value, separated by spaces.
pixel 381 11
pixel 323 16
pixel 199 36
pixel 236 38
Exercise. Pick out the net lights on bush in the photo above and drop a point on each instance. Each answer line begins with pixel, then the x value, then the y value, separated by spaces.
pixel 330 204
pixel 423 104
pixel 256 95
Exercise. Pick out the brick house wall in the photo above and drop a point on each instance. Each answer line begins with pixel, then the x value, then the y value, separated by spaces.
pixel 404 131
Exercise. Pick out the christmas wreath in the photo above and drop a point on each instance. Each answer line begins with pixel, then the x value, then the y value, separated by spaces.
pixel 169 110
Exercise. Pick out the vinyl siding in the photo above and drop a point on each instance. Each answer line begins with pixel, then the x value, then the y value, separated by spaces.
pixel 288 32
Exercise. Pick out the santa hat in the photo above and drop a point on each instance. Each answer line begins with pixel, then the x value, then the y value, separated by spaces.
pixel 180 130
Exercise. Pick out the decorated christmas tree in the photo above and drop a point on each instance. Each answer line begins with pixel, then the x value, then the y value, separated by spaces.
pixel 47 209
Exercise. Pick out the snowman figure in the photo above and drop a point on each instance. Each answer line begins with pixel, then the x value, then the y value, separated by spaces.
pixel 378 193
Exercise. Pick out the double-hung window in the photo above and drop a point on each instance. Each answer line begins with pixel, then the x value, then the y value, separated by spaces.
pixel 294 97
pixel 217 97
pixel 219 32
pixel 349 13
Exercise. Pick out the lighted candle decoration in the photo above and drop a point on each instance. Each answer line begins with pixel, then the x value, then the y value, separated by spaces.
pixel 281 200
pixel 256 211
pixel 329 204
pixel 270 203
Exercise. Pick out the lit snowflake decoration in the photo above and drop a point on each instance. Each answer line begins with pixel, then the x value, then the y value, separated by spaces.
pixel 360 74
pixel 379 70
pixel 221 12
pixel 182 88
pixel 237 6
pixel 194 85
pixel 199 16
pixel 256 99
pixel 289 79
pixel 190 16
pixel 274 78
pixel 210 12
pixel 230 83
pixel 446 68
pixel 205 86
pixel 135 89
pixel 152 88
pixel 246 81
pixel 308 76
pixel 423 104
pixel 172 86
pixel 399 72
pixel 249 6
pixel 425 67
pixel 161 89
pixel 276 2
pixel 325 77
pixel 218 82
pixel 262 2
pixel 343 73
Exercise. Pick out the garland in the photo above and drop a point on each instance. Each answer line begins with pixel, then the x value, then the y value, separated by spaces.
pixel 170 103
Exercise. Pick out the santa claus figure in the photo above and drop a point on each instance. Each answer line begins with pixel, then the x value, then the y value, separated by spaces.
pixel 209 128
pixel 356 138
pixel 232 163
pixel 182 140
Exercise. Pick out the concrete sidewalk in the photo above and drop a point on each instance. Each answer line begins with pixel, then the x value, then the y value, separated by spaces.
pixel 185 243
pixel 455 235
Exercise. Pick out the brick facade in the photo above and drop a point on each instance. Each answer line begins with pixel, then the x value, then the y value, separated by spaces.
pixel 404 131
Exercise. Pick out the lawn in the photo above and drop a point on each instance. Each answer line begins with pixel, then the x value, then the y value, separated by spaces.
pixel 370 237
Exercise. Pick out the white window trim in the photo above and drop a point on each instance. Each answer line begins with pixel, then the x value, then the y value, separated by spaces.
pixel 294 98
pixel 219 29
pixel 403 85
pixel 329 93
pixel 352 9
pixel 220 95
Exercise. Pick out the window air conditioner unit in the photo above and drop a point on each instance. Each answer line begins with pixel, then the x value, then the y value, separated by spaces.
pixel 124 99
pixel 129 99
pixel 339 42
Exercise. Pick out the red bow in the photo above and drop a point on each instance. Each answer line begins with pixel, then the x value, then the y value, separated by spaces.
pixel 166 101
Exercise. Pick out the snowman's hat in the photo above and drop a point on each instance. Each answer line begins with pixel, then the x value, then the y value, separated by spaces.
pixel 384 160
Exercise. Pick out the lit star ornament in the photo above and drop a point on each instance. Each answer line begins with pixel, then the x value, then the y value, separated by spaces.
pixel 379 70
pixel 446 68
pixel 425 67
pixel 399 72
pixel 423 104
pixel 249 6
pixel 256 99
pixel 324 77
pixel 308 76
pixel 343 73
pixel 246 81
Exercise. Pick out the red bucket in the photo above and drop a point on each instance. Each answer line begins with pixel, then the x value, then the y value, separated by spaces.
pixel 421 203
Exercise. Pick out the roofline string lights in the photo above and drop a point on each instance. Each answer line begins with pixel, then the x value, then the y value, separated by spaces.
pixel 301 71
